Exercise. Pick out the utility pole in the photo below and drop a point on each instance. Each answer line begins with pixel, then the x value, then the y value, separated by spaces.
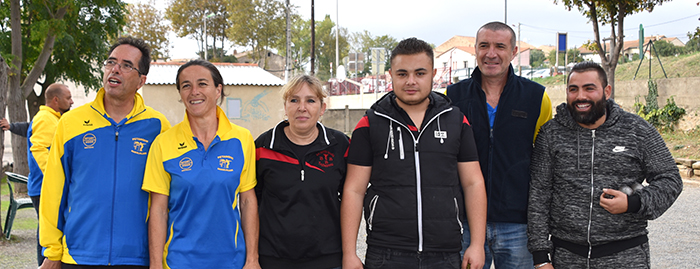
pixel 206 40
pixel 520 54
pixel 313 39
pixel 289 42
pixel 505 17
pixel 337 27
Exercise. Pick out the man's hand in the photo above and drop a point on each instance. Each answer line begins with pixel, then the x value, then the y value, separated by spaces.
pixel 615 205
pixel 352 262
pixel 4 124
pixel 474 257
pixel 49 264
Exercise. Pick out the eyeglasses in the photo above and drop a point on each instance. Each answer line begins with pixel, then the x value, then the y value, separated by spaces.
pixel 125 67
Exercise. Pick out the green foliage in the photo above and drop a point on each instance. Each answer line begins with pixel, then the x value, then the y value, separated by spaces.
pixel 260 28
pixel 537 58
pixel 187 19
pixel 82 38
pixel 325 47
pixel 693 43
pixel 665 118
pixel 300 47
pixel 146 22
pixel 364 41
pixel 663 48
pixel 574 56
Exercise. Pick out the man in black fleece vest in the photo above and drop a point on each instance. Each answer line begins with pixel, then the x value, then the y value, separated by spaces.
pixel 587 169
pixel 418 153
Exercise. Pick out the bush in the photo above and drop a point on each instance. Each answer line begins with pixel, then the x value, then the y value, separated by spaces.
pixel 665 118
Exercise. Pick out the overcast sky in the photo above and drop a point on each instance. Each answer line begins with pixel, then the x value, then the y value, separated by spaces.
pixel 435 21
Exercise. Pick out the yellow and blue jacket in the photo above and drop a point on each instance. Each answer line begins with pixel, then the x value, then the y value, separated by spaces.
pixel 204 223
pixel 39 138
pixel 92 210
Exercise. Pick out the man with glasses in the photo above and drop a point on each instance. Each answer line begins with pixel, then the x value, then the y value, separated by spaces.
pixel 92 210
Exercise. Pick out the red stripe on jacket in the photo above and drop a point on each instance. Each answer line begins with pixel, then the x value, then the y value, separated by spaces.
pixel 264 153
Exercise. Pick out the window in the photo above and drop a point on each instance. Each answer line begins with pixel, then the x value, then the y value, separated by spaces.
pixel 233 108
pixel 466 64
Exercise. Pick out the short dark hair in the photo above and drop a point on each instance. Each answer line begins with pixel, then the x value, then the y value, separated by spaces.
pixel 411 46
pixel 591 66
pixel 145 62
pixel 215 75
pixel 498 26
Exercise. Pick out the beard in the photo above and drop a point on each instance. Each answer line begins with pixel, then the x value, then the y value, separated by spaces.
pixel 598 110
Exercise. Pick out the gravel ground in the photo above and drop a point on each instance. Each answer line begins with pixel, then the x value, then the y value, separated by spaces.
pixel 674 237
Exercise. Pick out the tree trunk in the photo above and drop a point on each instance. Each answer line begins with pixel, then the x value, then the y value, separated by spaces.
pixel 16 109
pixel 3 95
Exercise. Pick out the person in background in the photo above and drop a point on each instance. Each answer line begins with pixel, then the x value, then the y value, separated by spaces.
pixel 93 212
pixel 300 173
pixel 58 100
pixel 418 153
pixel 196 172
pixel 18 128
pixel 506 112
pixel 587 206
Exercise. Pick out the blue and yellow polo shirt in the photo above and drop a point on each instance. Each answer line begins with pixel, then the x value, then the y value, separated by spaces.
pixel 204 223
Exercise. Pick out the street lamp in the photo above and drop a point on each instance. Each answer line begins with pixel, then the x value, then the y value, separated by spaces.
pixel 206 43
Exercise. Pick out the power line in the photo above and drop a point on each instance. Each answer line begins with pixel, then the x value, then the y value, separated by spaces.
pixel 667 22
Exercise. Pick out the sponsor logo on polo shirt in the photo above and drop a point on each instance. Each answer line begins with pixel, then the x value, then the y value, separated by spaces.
pixel 87 123
pixel 139 146
pixel 89 140
pixel 225 163
pixel 182 146
pixel 325 158
pixel 186 164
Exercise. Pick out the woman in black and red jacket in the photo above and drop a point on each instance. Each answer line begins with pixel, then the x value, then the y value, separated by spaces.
pixel 300 173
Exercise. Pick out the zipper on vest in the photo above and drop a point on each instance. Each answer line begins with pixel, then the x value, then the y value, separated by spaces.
pixel 372 206
pixel 401 155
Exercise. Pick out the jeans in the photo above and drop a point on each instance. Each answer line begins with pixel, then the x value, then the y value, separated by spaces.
pixel 385 258
pixel 39 256
pixel 506 245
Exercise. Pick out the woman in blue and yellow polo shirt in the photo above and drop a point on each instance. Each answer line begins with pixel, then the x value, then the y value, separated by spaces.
pixel 195 172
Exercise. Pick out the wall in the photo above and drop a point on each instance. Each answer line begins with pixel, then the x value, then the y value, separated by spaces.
pixel 682 90
pixel 343 120
pixel 261 106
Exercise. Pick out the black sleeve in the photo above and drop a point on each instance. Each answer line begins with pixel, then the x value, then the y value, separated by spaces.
pixel 360 150
pixel 467 149
pixel 19 128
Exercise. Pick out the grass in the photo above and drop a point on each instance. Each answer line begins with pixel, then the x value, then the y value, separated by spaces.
pixel 685 65
pixel 683 144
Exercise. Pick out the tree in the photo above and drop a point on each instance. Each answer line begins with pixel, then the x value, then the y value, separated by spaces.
pixel 72 33
pixel 573 56
pixel 325 47
pixel 537 58
pixel 364 41
pixel 146 22
pixel 187 19
pixel 300 50
pixel 612 13
pixel 693 43
pixel 19 89
pixel 665 49
pixel 260 29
